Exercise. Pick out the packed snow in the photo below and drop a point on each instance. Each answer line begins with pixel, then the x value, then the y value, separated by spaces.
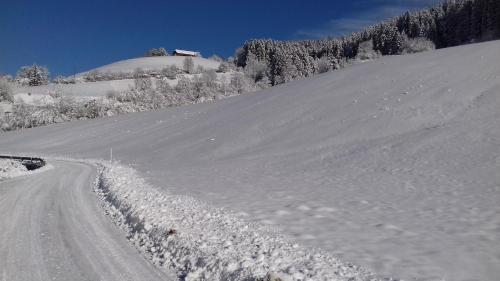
pixel 392 165
pixel 53 229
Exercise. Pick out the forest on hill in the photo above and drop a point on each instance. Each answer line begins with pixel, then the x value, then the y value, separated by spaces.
pixel 451 23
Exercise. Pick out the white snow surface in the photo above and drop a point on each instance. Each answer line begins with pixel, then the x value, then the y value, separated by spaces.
pixel 53 229
pixel 35 95
pixel 392 164
pixel 39 95
pixel 200 242
pixel 81 89
pixel 10 168
pixel 152 63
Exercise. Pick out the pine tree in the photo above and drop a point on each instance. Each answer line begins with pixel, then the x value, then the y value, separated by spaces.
pixel 34 75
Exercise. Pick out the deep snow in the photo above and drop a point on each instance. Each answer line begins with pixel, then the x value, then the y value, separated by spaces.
pixel 391 164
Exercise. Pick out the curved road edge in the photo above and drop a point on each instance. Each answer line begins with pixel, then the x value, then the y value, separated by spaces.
pixel 54 229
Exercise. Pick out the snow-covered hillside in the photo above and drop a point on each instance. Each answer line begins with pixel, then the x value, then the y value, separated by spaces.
pixel 152 63
pixel 82 89
pixel 391 164
pixel 101 88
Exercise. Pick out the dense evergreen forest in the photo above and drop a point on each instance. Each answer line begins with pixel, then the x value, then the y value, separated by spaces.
pixel 449 24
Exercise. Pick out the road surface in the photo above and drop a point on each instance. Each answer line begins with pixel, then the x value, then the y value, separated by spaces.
pixel 52 228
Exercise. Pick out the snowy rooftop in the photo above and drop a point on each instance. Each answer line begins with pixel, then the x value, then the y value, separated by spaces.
pixel 184 52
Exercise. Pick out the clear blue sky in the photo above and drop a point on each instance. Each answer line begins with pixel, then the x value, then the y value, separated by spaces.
pixel 74 36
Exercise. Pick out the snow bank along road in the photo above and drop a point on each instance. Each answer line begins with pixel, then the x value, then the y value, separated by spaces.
pixel 52 228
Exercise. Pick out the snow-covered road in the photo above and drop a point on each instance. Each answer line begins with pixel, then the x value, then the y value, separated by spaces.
pixel 52 228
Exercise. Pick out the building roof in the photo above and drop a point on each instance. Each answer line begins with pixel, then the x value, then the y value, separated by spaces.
pixel 188 53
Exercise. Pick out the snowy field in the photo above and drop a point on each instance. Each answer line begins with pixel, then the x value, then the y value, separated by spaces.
pixel 101 88
pixel 82 89
pixel 152 63
pixel 391 164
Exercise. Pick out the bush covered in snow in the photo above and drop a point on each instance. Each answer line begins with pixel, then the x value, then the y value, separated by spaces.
pixel 418 45
pixel 171 71
pixel 366 51
pixel 324 65
pixel 146 94
pixel 226 67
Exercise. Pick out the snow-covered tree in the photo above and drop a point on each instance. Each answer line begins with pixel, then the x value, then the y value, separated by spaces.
pixel 188 65
pixel 93 76
pixel 216 58
pixel 324 65
pixel 255 69
pixel 199 69
pixel 417 45
pixel 170 72
pixel 366 51
pixel 451 23
pixel 225 67
pixel 6 77
pixel 160 52
pixel 59 79
pixel 239 84
pixel 5 91
pixel 34 75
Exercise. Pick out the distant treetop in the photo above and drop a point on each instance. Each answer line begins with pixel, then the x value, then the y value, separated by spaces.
pixel 160 52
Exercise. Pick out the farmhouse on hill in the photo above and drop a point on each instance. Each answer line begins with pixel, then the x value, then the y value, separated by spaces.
pixel 184 53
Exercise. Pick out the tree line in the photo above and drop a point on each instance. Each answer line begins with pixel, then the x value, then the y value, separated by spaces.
pixel 452 23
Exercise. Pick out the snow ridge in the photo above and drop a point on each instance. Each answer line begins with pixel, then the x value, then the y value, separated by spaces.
pixel 201 242
pixel 11 169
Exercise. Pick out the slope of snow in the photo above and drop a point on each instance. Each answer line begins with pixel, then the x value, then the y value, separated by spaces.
pixel 152 63
pixel 391 164
pixel 82 89
pixel 200 242
pixel 38 94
